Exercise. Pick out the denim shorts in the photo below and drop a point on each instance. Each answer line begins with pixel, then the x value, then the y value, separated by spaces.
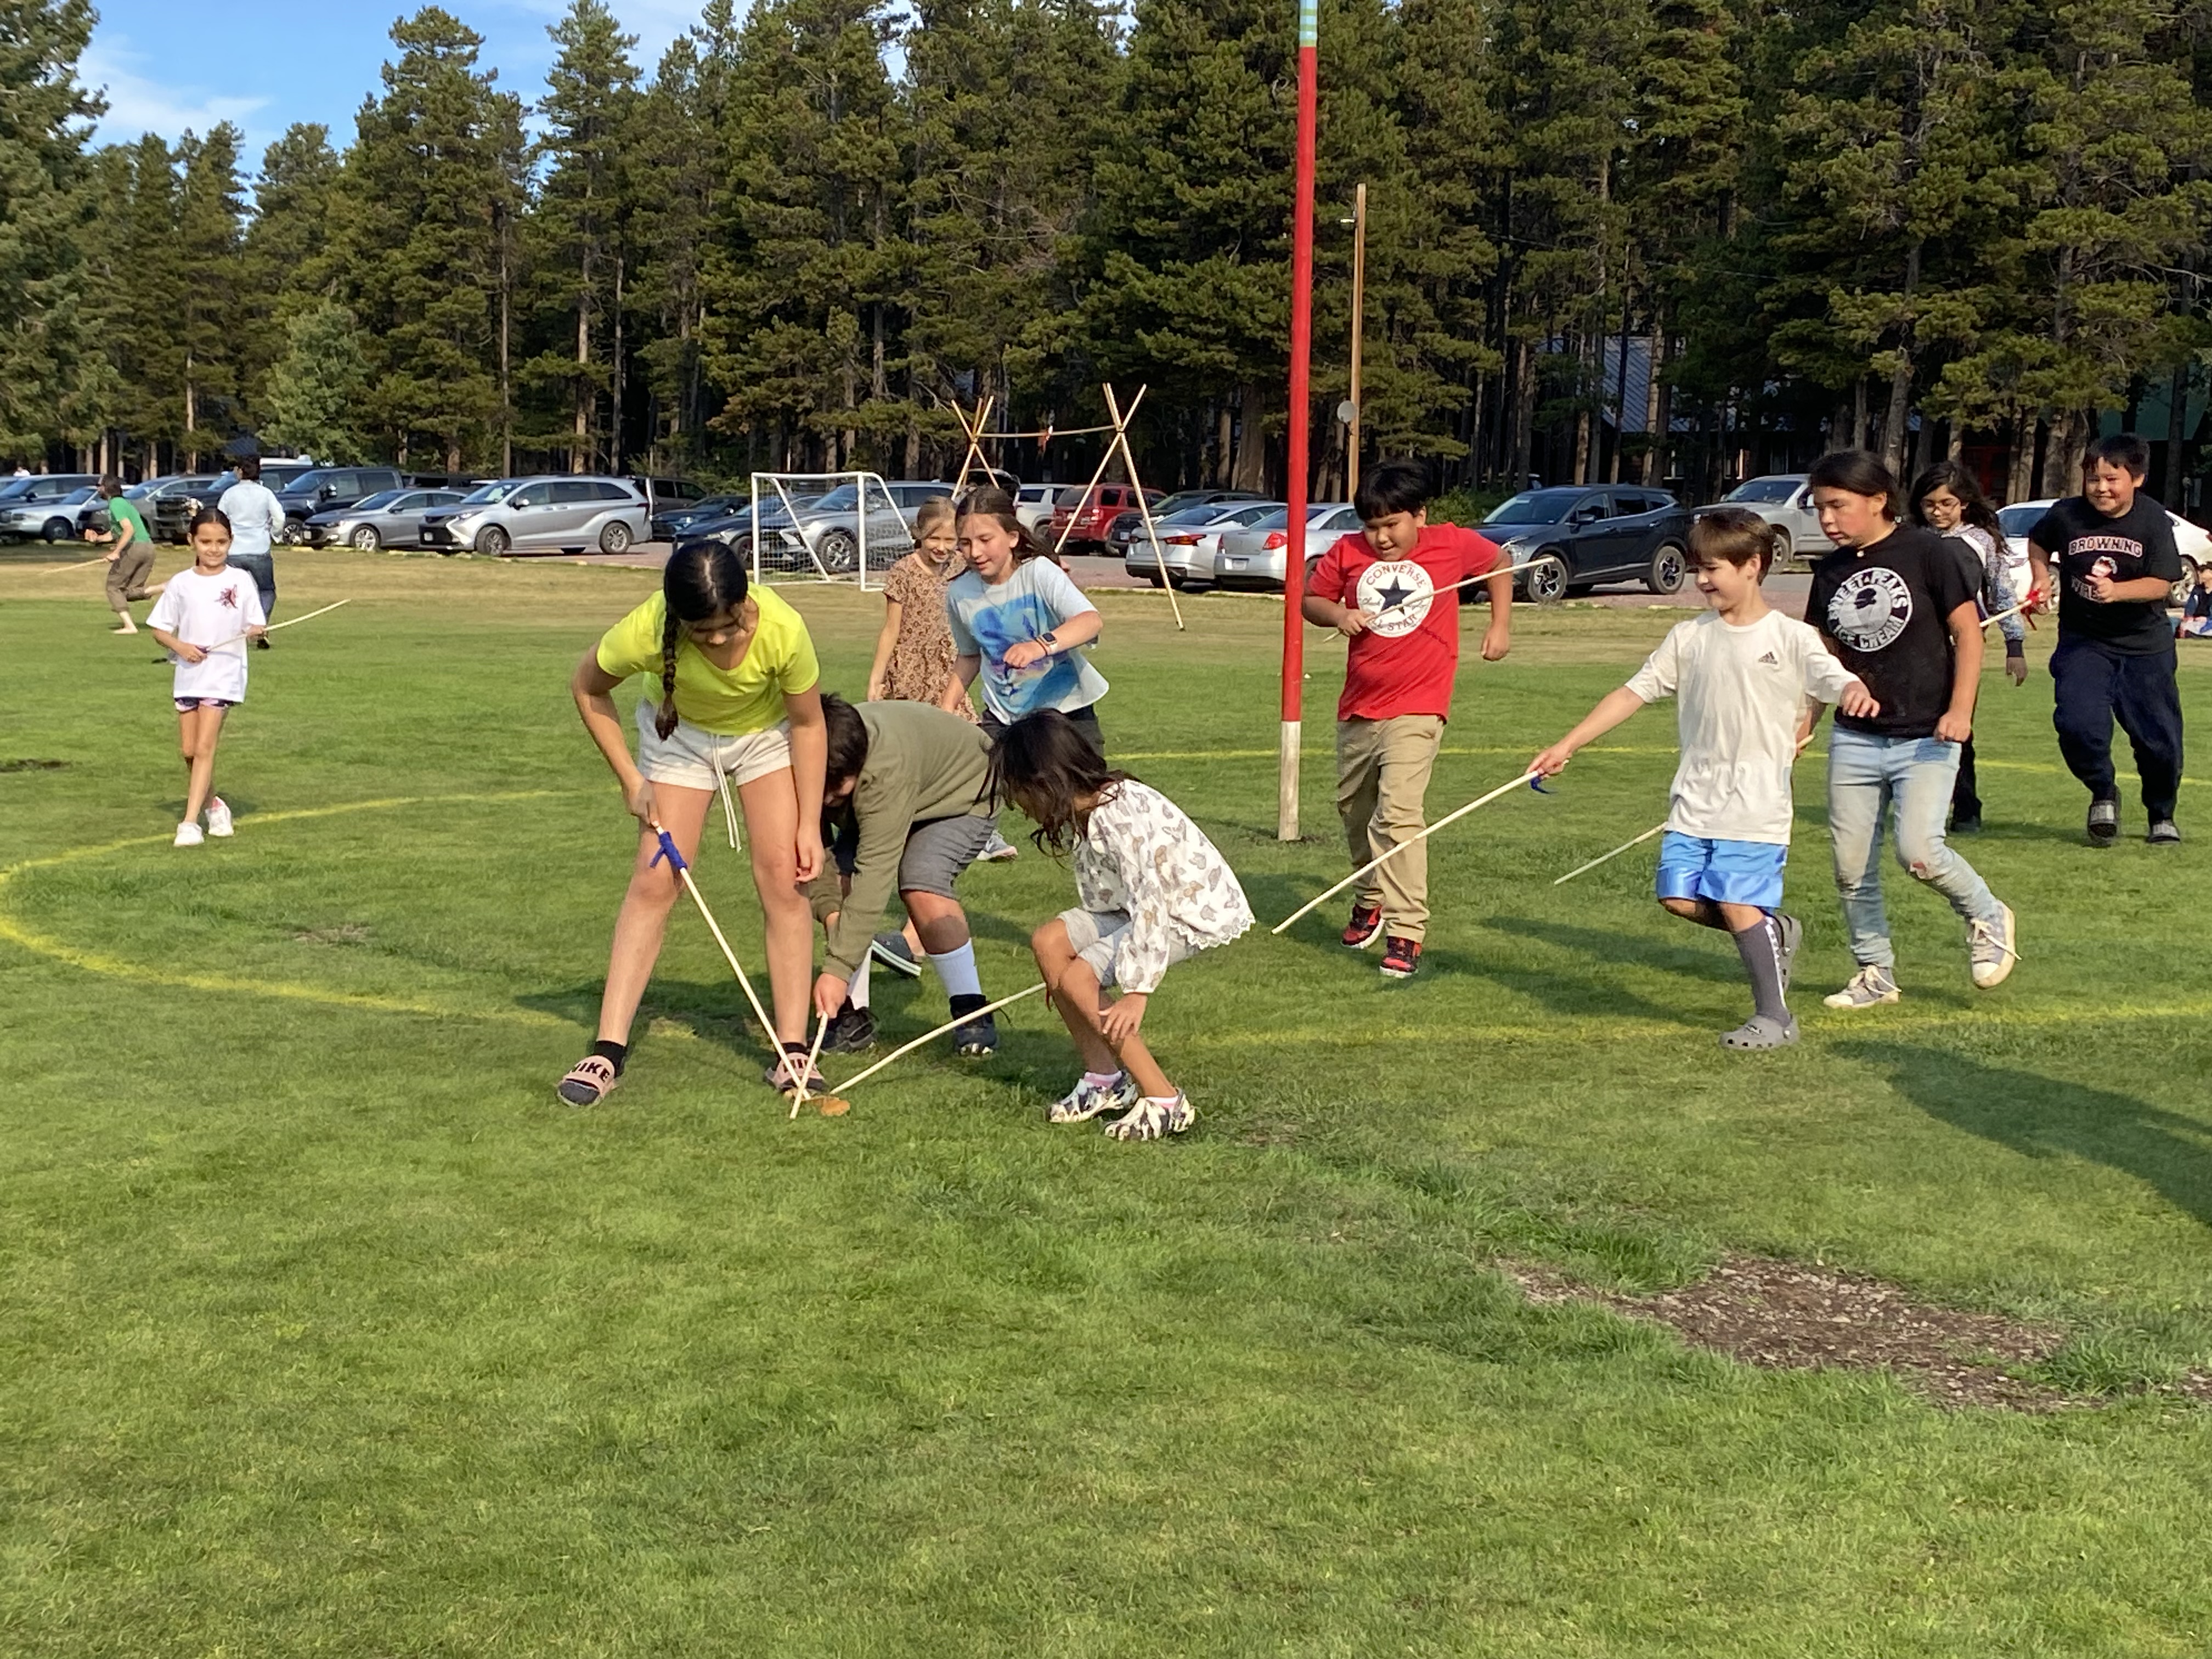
pixel 1725 872
pixel 1096 936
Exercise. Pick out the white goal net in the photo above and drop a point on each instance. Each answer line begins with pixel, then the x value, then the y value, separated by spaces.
pixel 824 527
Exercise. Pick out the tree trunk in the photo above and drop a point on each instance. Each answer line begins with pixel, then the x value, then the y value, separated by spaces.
pixel 2020 472
pixel 1859 435
pixel 580 442
pixel 1900 374
pixel 1524 412
pixel 615 412
pixel 2062 454
pixel 506 346
pixel 1654 432
pixel 2177 431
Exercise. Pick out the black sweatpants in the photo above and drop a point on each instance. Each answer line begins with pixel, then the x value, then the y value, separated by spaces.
pixel 2096 685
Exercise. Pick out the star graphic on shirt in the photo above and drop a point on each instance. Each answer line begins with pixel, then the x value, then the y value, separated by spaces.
pixel 1393 595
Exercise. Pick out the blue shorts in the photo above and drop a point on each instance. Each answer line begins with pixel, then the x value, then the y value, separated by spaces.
pixel 1725 872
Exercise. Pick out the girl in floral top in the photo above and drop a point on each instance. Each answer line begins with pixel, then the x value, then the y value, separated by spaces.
pixel 1151 890
pixel 915 652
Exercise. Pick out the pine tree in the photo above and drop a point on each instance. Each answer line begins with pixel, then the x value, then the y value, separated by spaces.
pixel 580 219
pixel 283 262
pixel 674 160
pixel 44 210
pixel 211 208
pixel 314 392
pixel 434 170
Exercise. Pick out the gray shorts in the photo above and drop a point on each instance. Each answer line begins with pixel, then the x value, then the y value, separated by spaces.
pixel 1097 935
pixel 937 852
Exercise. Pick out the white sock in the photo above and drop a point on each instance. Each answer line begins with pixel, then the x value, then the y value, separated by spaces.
pixel 1102 1079
pixel 956 970
pixel 857 995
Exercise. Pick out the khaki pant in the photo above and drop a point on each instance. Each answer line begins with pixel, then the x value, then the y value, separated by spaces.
pixel 126 577
pixel 1383 770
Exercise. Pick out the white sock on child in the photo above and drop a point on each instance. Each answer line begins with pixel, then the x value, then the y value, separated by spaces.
pixel 956 971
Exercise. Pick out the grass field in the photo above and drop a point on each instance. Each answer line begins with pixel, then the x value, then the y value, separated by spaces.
pixel 324 1329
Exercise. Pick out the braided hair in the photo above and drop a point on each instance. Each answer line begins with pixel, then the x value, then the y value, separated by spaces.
pixel 701 579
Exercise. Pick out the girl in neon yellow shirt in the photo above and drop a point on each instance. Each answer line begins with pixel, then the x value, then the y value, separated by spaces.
pixel 739 707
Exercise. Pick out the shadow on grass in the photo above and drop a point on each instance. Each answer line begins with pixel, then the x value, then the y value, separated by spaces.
pixel 2042 1116
pixel 1700 952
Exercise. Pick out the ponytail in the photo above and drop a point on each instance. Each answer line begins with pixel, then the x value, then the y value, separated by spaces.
pixel 700 580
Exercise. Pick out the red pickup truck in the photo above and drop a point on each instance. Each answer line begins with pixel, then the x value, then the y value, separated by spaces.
pixel 1091 518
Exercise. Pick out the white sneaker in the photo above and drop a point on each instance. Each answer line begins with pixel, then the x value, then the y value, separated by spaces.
pixel 1868 987
pixel 188 835
pixel 1990 949
pixel 218 818
pixel 1151 1120
pixel 997 850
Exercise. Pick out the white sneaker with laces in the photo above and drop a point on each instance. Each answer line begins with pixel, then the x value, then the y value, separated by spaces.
pixel 1868 987
pixel 1990 949
pixel 218 813
pixel 188 835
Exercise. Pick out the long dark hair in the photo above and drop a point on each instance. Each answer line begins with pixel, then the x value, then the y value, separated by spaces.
pixel 989 501
pixel 1950 475
pixel 1858 472
pixel 1043 763
pixel 702 579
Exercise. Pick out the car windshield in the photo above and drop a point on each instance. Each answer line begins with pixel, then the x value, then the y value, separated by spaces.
pixel 1535 506
pixel 486 495
pixel 1181 501
pixel 842 499
pixel 2018 520
pixel 1189 515
pixel 75 495
pixel 17 489
pixel 1765 489
pixel 382 498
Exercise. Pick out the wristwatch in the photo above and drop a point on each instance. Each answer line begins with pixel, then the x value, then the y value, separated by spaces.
pixel 1051 644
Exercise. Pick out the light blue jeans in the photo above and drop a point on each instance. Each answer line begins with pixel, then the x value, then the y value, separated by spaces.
pixel 1913 776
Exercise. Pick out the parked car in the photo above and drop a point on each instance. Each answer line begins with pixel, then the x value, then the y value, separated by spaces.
pixel 2190 540
pixel 1785 501
pixel 1128 529
pixel 1571 538
pixel 1033 503
pixel 1079 525
pixel 391 518
pixel 1255 558
pixel 666 494
pixel 1190 541
pixel 829 525
pixel 547 514
pixel 326 490
pixel 44 505
pixel 169 502
pixel 672 521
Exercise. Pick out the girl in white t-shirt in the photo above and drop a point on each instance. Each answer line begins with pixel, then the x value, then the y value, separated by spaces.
pixel 205 618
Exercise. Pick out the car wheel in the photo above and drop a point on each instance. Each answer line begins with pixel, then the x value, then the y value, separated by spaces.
pixel 615 537
pixel 1784 549
pixel 493 540
pixel 2179 596
pixel 1670 568
pixel 365 539
pixel 1546 579
pixel 839 551
pixel 56 530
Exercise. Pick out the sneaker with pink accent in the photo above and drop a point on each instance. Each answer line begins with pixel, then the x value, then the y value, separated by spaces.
pixel 188 835
pixel 218 816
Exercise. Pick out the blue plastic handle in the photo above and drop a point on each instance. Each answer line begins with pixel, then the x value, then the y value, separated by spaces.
pixel 675 864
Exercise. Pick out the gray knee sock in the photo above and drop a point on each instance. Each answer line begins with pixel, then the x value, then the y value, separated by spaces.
pixel 1760 946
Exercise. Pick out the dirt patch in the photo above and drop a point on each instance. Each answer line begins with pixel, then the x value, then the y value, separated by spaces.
pixel 1784 1315
pixel 32 765
pixel 349 932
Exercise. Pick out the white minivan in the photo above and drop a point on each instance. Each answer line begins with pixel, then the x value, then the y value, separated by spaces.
pixel 550 514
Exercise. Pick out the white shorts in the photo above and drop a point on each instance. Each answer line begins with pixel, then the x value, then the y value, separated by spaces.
pixel 691 756
pixel 1097 935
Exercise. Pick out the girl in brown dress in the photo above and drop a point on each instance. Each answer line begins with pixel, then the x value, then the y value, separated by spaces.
pixel 913 654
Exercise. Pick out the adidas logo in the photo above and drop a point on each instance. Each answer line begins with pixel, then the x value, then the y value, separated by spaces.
pixel 1768 660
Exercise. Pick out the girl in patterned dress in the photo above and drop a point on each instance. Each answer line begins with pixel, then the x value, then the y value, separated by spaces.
pixel 1152 890
pixel 913 653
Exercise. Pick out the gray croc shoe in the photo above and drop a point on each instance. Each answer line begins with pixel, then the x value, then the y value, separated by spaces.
pixel 1761 1032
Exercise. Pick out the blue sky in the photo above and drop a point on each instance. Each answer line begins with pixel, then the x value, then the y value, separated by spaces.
pixel 172 64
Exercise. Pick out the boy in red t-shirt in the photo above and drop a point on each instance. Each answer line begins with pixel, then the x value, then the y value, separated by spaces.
pixel 1380 590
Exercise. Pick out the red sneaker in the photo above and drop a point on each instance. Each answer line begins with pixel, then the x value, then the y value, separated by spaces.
pixel 1401 957
pixel 1364 928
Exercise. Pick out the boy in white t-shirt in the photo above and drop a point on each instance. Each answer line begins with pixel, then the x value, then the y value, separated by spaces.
pixel 204 619
pixel 1746 679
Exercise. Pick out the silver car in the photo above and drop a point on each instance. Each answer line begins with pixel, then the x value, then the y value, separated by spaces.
pixel 1033 503
pixel 392 517
pixel 827 532
pixel 1785 501
pixel 44 505
pixel 1253 558
pixel 1190 541
pixel 550 514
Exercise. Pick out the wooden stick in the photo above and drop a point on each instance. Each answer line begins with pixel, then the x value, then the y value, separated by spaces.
pixel 684 874
pixel 821 1030
pixel 1121 423
pixel 64 569
pixel 1321 898
pixel 974 442
pixel 1437 593
pixel 852 1083
pixel 1615 853
pixel 273 627
pixel 2032 602
pixel 1129 461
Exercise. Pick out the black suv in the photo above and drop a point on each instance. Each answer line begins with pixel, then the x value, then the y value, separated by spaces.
pixel 326 490
pixel 1571 539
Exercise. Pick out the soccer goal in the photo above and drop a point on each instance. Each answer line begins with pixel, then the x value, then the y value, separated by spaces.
pixel 824 527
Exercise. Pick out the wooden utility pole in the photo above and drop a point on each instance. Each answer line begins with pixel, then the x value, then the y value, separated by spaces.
pixel 1359 330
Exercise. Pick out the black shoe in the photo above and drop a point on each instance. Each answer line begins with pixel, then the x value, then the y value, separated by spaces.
pixel 1966 826
pixel 976 1037
pixel 851 1031
pixel 2103 822
pixel 2163 832
pixel 261 644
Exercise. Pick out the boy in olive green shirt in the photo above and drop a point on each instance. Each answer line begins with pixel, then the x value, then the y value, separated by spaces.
pixel 906 791
pixel 130 554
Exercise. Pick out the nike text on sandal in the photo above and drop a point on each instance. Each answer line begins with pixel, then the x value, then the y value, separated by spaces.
pixel 1991 949
pixel 1869 988
pixel 2103 822
pixel 896 954
pixel 1086 1100
pixel 1152 1120
pixel 588 1081
pixel 1760 1031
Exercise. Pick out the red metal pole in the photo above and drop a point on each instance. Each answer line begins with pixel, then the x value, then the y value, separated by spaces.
pixel 1294 560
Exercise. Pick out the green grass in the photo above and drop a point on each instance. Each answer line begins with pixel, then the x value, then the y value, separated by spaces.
pixel 324 1329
